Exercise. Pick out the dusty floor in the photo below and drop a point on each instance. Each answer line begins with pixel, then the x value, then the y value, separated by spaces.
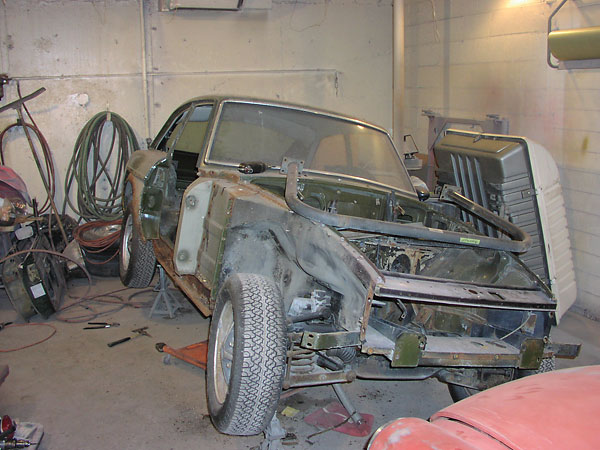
pixel 90 396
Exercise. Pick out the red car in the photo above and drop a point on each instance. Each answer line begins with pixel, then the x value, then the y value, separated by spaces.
pixel 553 410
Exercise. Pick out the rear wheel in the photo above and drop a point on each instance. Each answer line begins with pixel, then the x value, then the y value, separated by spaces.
pixel 246 355
pixel 137 262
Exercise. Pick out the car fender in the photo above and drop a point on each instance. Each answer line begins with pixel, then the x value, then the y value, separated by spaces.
pixel 147 174
pixel 311 248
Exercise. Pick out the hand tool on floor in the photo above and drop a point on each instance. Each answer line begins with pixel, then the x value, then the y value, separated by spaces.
pixel 14 443
pixel 100 325
pixel 140 332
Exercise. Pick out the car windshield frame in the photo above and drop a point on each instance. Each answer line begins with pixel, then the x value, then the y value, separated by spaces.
pixel 300 130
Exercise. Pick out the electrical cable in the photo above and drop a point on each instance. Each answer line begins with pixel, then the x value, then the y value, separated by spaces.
pixel 83 318
pixel 46 171
pixel 49 165
pixel 29 325
pixel 83 299
pixel 80 300
pixel 92 314
pixel 91 169
pixel 98 245
pixel 53 253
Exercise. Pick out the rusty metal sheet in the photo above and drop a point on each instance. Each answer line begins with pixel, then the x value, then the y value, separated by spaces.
pixel 468 352
pixel 450 293
pixel 196 292
pixel 317 379
pixel 141 161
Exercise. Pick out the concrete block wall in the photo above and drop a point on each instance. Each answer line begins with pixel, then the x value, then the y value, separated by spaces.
pixel 469 58
pixel 332 54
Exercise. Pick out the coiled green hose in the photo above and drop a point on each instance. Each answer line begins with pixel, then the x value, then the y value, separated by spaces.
pixel 98 166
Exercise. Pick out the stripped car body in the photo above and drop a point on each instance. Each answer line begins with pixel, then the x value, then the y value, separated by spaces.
pixel 373 282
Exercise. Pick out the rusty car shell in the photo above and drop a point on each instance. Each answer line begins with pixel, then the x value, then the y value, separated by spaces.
pixel 413 292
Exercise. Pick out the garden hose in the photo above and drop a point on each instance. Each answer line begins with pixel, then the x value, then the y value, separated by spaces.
pixel 98 167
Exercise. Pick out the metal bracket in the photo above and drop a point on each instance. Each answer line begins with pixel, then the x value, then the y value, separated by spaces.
pixel 322 341
pixel 407 352
pixel 287 161
pixel 532 351
pixel 567 351
pixel 446 190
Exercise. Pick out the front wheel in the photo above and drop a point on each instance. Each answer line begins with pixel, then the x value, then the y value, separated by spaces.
pixel 246 355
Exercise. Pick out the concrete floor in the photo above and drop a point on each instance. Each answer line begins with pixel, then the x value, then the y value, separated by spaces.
pixel 90 396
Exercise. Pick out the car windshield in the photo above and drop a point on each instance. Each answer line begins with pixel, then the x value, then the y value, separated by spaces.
pixel 327 144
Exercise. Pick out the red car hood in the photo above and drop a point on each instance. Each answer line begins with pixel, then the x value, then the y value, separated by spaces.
pixel 553 410
pixel 550 411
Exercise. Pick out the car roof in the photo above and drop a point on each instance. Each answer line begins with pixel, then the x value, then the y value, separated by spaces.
pixel 282 104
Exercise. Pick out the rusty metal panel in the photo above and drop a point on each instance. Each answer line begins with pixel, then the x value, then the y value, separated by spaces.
pixel 466 351
pixel 190 285
pixel 460 294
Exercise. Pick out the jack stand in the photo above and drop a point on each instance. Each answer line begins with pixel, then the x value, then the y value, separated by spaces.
pixel 274 433
pixel 164 304
pixel 340 416
pixel 348 406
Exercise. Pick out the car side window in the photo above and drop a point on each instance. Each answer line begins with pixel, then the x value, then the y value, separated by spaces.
pixel 187 131
pixel 186 139
pixel 169 135
pixel 188 136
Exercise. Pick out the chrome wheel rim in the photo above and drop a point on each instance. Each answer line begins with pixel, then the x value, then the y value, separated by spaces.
pixel 125 251
pixel 223 356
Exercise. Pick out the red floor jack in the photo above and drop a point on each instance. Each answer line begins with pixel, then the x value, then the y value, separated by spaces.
pixel 195 354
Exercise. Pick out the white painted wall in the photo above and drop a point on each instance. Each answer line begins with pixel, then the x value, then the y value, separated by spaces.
pixel 469 58
pixel 332 54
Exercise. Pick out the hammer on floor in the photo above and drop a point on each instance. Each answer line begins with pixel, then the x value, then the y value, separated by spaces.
pixel 140 332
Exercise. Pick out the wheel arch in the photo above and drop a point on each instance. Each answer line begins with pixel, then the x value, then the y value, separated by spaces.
pixel 277 259
pixel 147 175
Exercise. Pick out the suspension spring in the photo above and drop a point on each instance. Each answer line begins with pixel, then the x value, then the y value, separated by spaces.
pixel 301 360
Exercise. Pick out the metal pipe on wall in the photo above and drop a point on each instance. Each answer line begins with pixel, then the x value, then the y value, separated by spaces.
pixel 144 73
pixel 398 74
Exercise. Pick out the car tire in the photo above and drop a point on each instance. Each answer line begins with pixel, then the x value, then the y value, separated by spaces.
pixel 243 386
pixel 100 264
pixel 547 365
pixel 459 393
pixel 137 262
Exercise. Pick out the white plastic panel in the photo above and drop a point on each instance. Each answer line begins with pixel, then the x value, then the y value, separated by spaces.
pixel 519 180
pixel 554 226
pixel 194 208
